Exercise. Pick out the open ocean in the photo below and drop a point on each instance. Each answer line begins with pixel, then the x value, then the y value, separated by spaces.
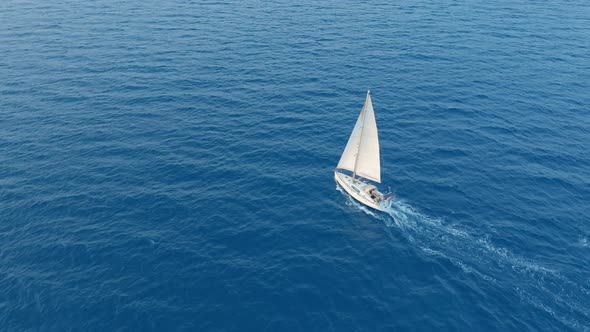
pixel 168 165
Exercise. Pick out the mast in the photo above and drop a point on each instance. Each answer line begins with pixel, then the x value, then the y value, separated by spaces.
pixel 358 148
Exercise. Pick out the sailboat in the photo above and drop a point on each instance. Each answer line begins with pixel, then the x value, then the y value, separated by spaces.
pixel 362 157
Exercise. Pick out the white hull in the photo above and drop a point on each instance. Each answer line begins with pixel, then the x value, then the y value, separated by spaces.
pixel 356 189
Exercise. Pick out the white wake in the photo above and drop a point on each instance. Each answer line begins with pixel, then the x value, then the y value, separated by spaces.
pixel 475 254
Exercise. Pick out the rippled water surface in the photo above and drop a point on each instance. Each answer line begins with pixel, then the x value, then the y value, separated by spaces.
pixel 167 166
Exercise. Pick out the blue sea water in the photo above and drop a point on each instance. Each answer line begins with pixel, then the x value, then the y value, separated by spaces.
pixel 167 165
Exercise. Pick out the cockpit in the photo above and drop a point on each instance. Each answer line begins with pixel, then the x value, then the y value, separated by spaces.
pixel 372 192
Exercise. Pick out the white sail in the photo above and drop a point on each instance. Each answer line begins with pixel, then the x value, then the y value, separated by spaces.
pixel 348 158
pixel 361 154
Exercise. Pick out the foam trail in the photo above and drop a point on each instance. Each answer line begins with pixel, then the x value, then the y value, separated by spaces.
pixel 449 235
pixel 475 254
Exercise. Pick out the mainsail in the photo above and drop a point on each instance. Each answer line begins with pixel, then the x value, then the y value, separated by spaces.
pixel 361 155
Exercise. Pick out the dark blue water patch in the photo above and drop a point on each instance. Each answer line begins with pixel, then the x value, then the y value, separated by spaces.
pixel 170 166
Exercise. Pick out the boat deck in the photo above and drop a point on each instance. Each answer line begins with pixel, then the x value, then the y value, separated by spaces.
pixel 363 192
